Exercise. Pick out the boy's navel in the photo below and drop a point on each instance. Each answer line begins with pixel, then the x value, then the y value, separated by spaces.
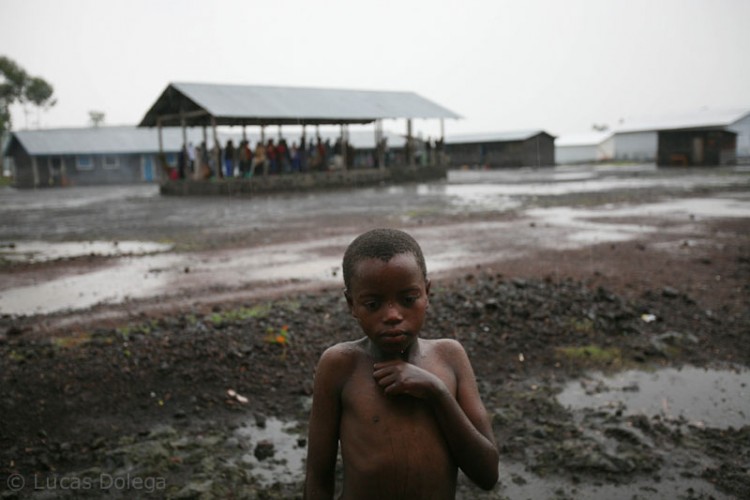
pixel 375 419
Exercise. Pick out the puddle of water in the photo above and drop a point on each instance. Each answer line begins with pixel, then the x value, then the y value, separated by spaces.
pixel 518 483
pixel 695 207
pixel 581 229
pixel 41 251
pixel 130 277
pixel 710 398
pixel 592 226
pixel 558 182
pixel 52 200
pixel 288 461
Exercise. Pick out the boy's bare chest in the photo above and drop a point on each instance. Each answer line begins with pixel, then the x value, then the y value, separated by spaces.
pixel 365 400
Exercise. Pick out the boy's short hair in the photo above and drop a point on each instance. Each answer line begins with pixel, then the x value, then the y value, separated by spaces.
pixel 383 244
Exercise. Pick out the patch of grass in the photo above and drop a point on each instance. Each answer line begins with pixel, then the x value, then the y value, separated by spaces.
pixel 423 212
pixel 72 341
pixel 16 356
pixel 241 314
pixel 141 328
pixel 584 325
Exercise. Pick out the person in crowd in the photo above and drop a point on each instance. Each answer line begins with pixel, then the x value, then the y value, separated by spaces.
pixel 260 160
pixel 244 158
pixel 191 151
pixel 272 156
pixel 303 154
pixel 214 160
pixel 229 159
pixel 182 160
pixel 283 157
pixel 296 157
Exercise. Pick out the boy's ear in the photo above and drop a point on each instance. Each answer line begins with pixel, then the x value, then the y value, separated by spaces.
pixel 348 298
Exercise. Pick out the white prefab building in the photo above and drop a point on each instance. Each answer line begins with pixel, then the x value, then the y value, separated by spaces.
pixel 590 147
pixel 638 140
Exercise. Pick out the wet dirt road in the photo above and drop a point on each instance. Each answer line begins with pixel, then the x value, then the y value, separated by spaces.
pixel 115 244
pixel 658 431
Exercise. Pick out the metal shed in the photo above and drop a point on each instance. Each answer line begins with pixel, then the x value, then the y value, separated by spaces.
pixel 699 147
pixel 587 147
pixel 639 139
pixel 525 148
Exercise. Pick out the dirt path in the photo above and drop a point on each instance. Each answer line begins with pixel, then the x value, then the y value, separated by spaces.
pixel 132 398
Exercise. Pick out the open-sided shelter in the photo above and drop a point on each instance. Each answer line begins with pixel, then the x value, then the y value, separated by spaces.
pixel 211 105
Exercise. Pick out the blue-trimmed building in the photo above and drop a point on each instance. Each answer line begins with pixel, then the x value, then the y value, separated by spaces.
pixel 88 156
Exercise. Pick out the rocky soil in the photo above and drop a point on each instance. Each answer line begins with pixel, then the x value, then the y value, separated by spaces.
pixel 167 405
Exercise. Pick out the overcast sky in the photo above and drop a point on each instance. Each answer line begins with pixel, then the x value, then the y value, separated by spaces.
pixel 557 65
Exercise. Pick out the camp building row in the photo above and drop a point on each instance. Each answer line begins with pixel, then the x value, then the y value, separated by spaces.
pixel 190 113
pixel 707 137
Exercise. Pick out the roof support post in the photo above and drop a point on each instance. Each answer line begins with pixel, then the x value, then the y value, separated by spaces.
pixel 244 133
pixel 161 137
pixel 302 152
pixel 35 171
pixel 263 144
pixel 343 146
pixel 409 144
pixel 217 150
pixel 442 142
pixel 379 146
pixel 184 131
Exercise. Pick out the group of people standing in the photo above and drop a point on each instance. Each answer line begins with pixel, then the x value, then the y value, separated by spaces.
pixel 270 157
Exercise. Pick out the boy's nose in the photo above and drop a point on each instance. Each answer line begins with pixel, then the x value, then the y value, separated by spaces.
pixel 392 312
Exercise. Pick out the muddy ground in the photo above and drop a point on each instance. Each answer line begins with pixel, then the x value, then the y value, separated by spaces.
pixel 166 402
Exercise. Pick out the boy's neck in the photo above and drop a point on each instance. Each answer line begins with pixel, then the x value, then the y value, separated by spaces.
pixel 405 355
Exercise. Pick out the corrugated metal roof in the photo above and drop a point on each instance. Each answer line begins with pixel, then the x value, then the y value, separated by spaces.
pixel 257 105
pixel 99 140
pixel 517 135
pixel 705 118
pixel 583 139
pixel 135 140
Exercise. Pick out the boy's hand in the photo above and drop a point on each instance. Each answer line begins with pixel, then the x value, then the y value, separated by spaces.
pixel 398 377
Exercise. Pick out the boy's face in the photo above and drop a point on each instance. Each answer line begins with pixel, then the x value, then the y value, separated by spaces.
pixel 389 299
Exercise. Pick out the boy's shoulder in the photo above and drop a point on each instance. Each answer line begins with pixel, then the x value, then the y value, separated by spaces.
pixel 344 352
pixel 443 346
pixel 338 362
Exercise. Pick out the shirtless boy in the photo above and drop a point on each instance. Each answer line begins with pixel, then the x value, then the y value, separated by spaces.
pixel 406 410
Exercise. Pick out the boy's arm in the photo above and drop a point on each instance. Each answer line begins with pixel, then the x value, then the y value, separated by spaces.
pixel 323 430
pixel 466 425
pixel 463 418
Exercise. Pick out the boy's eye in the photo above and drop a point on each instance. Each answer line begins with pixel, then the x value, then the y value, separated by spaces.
pixel 372 305
pixel 409 300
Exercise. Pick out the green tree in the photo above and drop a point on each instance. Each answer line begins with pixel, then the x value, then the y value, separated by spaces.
pixel 16 86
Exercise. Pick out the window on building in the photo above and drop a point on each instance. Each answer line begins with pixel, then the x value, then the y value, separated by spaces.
pixel 84 162
pixel 111 162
